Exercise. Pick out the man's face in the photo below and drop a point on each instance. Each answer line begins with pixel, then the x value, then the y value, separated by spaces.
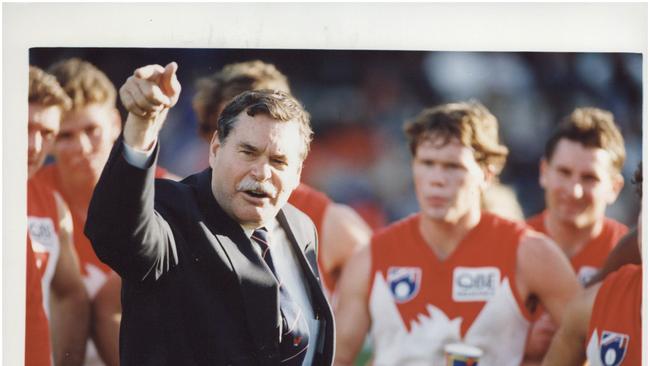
pixel 42 128
pixel 256 168
pixel 579 183
pixel 85 141
pixel 448 180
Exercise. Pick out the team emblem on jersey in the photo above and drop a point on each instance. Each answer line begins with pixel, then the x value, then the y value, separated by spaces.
pixel 404 282
pixel 613 347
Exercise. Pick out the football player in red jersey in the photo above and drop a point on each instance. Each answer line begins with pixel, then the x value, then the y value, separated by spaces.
pixel 450 273
pixel 54 285
pixel 604 325
pixel 581 175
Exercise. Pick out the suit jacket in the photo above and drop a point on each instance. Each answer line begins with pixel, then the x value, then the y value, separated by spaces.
pixel 194 291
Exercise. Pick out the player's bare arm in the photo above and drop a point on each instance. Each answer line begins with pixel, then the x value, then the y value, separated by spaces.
pixel 568 345
pixel 544 272
pixel 107 311
pixel 351 311
pixel 344 234
pixel 70 317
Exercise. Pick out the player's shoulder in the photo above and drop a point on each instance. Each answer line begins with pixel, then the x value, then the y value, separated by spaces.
pixel 614 227
pixel 399 229
pixel 505 230
pixel 625 273
pixel 308 194
pixel 45 178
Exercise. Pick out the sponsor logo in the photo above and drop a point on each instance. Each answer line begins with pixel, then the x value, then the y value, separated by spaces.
pixel 475 283
pixel 404 282
pixel 613 347
pixel 42 232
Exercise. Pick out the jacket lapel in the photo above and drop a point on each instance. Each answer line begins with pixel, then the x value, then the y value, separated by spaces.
pixel 258 287
pixel 306 254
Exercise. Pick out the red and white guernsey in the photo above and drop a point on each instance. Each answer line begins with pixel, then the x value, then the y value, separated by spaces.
pixel 93 270
pixel 419 304
pixel 614 336
pixel 588 260
pixel 43 230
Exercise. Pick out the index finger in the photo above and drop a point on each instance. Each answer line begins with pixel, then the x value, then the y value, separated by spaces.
pixel 149 72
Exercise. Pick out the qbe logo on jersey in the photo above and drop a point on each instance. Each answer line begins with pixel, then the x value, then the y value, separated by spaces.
pixel 613 347
pixel 43 234
pixel 404 282
pixel 475 283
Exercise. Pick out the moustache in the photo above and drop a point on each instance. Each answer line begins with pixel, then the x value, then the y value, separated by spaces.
pixel 251 185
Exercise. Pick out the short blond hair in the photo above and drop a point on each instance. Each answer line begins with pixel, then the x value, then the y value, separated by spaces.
pixel 215 91
pixel 84 83
pixel 45 90
pixel 469 122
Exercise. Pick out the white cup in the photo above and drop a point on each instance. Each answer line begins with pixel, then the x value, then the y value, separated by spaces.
pixel 461 354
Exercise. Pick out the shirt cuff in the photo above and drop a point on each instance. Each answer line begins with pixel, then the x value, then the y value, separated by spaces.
pixel 138 158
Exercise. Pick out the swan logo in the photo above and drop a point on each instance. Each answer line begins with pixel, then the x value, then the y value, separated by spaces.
pixel 404 282
pixel 613 347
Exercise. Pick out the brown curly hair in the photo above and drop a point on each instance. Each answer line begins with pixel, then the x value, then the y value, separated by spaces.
pixel 591 127
pixel 84 83
pixel 215 91
pixel 469 122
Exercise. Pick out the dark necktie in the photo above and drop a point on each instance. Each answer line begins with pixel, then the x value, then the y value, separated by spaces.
pixel 295 331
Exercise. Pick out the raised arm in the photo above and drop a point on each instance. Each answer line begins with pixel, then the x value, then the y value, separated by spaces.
pixel 122 225
pixel 351 310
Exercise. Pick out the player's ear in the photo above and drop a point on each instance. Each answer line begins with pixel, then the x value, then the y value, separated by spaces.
pixel 543 169
pixel 617 185
pixel 489 175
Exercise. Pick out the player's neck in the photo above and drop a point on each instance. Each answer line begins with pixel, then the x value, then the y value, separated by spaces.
pixel 444 236
pixel 568 236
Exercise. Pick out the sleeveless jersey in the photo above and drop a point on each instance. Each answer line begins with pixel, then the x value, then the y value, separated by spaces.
pixel 591 257
pixel 43 231
pixel 94 271
pixel 614 336
pixel 418 303
pixel 37 333
pixel 314 203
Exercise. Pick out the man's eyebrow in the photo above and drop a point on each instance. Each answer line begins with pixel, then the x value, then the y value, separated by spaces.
pixel 247 146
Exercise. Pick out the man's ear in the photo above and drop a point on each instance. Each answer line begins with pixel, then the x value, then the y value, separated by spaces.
pixel 488 176
pixel 617 185
pixel 297 182
pixel 543 169
pixel 215 144
pixel 116 123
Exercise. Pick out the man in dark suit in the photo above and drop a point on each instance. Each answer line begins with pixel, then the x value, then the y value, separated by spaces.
pixel 217 269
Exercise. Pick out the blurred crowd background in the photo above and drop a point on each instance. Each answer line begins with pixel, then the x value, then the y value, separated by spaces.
pixel 359 100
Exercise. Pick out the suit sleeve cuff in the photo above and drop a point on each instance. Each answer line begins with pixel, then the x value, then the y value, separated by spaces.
pixel 138 158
